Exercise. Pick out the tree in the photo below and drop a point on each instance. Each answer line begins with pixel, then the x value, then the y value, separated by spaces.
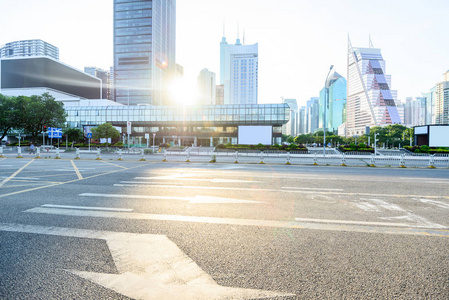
pixel 38 111
pixel 105 131
pixel 8 112
pixel 73 134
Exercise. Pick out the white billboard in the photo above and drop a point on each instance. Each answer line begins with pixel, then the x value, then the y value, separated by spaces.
pixel 421 130
pixel 253 135
pixel 439 136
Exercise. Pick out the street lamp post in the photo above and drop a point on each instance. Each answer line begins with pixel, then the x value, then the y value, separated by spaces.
pixel 326 88
pixel 375 143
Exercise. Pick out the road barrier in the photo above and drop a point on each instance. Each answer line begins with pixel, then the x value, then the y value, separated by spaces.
pixel 352 159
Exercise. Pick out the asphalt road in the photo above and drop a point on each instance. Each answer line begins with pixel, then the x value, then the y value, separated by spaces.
pixel 153 230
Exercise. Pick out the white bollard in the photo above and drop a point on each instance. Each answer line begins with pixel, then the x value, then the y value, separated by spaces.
pixel 38 152
pixel 120 154
pixel 77 153
pixel 188 155
pixel 261 157
pixel 19 152
pixel 236 157
pixel 98 154
pixel 165 157
pixel 1 151
pixel 142 155
pixel 343 160
pixel 432 162
pixel 402 161
pixel 288 158
pixel 315 161
pixel 372 161
pixel 58 156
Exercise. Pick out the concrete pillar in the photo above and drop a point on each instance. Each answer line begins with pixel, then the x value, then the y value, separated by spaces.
pixel 179 141
pixel 195 143
pixel 211 141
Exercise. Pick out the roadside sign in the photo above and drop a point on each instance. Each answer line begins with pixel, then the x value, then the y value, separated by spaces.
pixel 54 133
pixel 128 127
pixel 147 136
pixel 154 135
pixel 89 135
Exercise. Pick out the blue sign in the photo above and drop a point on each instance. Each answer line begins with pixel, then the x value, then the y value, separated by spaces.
pixel 89 135
pixel 54 133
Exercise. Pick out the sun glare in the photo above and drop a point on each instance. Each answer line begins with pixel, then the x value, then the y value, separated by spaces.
pixel 183 92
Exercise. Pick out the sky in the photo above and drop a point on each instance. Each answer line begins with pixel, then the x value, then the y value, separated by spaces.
pixel 298 39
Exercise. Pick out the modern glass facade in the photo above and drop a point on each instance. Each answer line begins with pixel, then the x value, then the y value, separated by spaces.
pixel 370 102
pixel 192 121
pixel 336 103
pixel 144 50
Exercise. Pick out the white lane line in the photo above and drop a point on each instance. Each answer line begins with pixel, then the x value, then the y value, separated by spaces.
pixel 353 222
pixel 410 230
pixel 150 266
pixel 88 208
pixel 294 191
pixel 436 203
pixel 444 182
pixel 149 182
pixel 215 180
pixel 427 178
pixel 22 178
pixel 16 173
pixel 315 189
pixel 197 199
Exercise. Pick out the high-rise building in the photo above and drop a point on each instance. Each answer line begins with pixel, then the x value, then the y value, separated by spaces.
pixel 111 87
pixel 370 102
pixel 415 111
pixel 239 68
pixel 206 87
pixel 336 103
pixel 430 106
pixel 302 120
pixel 104 76
pixel 291 128
pixel 144 50
pixel 312 114
pixel 219 99
pixel 442 101
pixel 29 48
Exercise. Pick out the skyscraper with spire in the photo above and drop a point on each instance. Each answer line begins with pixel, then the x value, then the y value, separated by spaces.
pixel 239 68
pixel 370 102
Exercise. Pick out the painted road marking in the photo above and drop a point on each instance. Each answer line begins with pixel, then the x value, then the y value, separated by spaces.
pixel 150 266
pixel 15 173
pixel 76 170
pixel 409 230
pixel 88 207
pixel 215 180
pixel 118 166
pixel 315 189
pixel 24 178
pixel 147 182
pixel 436 203
pixel 197 199
pixel 285 190
pixel 353 222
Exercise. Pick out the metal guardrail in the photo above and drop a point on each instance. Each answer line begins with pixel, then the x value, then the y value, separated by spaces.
pixel 206 155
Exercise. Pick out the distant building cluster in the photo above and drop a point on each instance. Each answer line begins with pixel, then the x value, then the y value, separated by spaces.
pixel 28 48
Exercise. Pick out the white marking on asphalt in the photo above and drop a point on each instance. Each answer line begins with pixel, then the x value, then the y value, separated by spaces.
pixel 436 203
pixel 410 230
pixel 149 182
pixel 315 189
pixel 88 207
pixel 196 200
pixel 22 178
pixel 215 180
pixel 150 266
pixel 77 171
pixel 15 173
pixel 427 178
pixel 352 222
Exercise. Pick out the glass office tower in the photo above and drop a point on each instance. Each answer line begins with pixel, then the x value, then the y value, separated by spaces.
pixel 370 101
pixel 144 50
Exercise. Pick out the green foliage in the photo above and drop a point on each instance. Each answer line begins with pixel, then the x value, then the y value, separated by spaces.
pixel 361 145
pixel 105 131
pixel 425 149
pixel 118 144
pixel 73 134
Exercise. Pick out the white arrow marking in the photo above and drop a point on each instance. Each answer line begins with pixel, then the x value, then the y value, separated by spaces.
pixel 150 267
pixel 197 199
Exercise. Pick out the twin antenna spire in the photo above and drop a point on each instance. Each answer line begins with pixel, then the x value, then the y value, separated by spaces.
pixel 238 32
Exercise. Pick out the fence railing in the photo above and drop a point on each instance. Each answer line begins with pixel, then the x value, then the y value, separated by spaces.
pixel 255 156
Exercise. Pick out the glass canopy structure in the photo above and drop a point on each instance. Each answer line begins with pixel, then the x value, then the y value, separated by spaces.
pixel 218 122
